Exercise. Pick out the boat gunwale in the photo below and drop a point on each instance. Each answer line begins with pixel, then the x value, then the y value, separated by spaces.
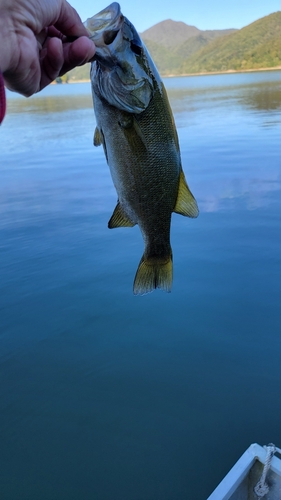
pixel 239 471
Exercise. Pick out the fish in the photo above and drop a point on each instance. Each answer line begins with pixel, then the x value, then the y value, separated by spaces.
pixel 136 127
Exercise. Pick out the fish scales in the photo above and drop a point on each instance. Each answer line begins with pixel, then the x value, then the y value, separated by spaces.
pixel 152 191
pixel 136 127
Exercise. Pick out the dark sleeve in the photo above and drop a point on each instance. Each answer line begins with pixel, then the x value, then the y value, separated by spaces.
pixel 2 98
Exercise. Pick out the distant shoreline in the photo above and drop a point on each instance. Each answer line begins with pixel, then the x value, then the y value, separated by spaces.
pixel 206 73
pixel 225 72
pixel 79 81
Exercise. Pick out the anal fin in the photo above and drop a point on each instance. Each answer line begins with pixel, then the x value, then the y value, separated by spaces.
pixel 186 203
pixel 119 218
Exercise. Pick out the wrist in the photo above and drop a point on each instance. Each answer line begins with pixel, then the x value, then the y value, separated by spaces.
pixel 2 99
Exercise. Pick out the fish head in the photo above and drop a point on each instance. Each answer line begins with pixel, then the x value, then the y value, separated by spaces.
pixel 122 72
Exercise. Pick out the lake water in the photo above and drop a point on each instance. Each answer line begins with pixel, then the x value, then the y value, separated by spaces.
pixel 108 396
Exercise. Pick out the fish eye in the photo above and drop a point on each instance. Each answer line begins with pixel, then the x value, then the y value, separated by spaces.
pixel 109 36
pixel 136 47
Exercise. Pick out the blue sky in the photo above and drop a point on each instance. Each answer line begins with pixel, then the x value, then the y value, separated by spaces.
pixel 204 14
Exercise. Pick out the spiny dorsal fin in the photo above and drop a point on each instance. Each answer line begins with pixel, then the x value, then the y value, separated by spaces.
pixel 97 137
pixel 186 203
pixel 119 218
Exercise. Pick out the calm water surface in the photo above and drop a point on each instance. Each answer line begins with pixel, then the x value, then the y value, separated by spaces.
pixel 108 396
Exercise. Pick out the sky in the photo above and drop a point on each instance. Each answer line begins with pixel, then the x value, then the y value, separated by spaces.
pixel 204 14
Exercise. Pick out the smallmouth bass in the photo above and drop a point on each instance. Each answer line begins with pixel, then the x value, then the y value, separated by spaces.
pixel 136 128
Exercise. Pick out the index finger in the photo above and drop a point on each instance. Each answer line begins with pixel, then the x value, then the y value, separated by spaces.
pixel 69 22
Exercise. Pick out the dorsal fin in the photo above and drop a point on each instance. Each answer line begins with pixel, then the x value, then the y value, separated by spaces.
pixel 186 203
pixel 119 218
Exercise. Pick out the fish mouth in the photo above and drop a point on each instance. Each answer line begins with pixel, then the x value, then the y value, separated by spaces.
pixel 117 75
pixel 109 18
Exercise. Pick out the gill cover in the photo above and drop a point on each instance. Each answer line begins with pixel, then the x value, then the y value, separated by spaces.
pixel 121 72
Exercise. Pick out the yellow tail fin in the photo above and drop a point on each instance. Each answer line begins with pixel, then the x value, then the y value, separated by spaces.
pixel 154 273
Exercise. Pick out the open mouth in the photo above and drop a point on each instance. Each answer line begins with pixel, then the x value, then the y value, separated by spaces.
pixel 109 18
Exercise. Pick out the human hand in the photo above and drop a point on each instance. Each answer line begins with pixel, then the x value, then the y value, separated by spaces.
pixel 34 48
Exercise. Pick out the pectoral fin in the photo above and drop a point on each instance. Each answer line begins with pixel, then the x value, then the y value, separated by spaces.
pixel 134 135
pixel 139 132
pixel 119 218
pixel 186 203
pixel 97 137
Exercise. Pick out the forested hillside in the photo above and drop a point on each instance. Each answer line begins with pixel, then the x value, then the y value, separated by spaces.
pixel 255 46
pixel 178 49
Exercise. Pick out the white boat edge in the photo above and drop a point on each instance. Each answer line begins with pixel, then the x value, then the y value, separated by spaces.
pixel 239 471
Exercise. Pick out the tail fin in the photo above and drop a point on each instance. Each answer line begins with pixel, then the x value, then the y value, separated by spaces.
pixel 155 272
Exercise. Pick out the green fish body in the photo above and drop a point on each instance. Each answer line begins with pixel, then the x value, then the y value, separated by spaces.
pixel 135 125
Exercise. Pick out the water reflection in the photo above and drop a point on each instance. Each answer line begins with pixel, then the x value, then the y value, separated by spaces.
pixel 50 104
pixel 260 97
pixel 247 194
pixel 260 91
pixel 263 97
pixel 220 121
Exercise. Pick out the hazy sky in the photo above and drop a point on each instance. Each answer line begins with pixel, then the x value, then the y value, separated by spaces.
pixel 204 14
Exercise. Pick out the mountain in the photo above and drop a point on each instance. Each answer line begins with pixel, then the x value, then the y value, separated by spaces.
pixel 170 43
pixel 258 45
pixel 178 49
pixel 169 33
pixel 169 59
